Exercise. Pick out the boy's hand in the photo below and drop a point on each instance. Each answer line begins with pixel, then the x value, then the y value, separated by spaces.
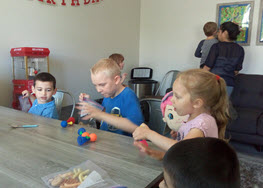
pixel 91 111
pixel 141 132
pixel 151 152
pixel 25 94
pixel 173 134
pixel 82 96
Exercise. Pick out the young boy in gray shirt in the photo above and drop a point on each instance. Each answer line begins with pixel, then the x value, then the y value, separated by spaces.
pixel 203 48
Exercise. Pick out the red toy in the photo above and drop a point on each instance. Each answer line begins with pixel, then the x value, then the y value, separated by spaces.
pixel 69 122
pixel 144 142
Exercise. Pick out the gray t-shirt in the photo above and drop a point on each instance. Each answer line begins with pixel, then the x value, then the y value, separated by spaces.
pixel 204 48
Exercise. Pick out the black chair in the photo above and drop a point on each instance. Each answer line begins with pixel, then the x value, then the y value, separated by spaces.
pixel 153 116
pixel 167 82
pixel 247 99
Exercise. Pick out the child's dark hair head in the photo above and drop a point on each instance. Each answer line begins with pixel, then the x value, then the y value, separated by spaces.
pixel 210 28
pixel 45 77
pixel 231 28
pixel 202 163
pixel 118 58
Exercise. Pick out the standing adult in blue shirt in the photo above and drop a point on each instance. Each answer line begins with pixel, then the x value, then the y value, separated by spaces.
pixel 43 102
pixel 226 57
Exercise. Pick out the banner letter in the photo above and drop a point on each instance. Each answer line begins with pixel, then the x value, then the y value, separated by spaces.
pixel 51 1
pixel 73 4
pixel 85 2
pixel 63 3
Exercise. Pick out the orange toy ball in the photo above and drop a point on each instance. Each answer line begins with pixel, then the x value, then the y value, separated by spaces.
pixel 93 137
pixel 85 134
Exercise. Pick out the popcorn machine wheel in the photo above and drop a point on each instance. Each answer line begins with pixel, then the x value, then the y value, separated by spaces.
pixel 26 63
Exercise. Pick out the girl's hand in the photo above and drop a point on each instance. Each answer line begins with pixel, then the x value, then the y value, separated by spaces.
pixel 82 96
pixel 173 134
pixel 141 132
pixel 151 152
pixel 91 111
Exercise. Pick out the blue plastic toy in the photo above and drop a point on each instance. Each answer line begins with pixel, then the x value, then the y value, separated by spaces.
pixel 85 136
pixel 82 138
pixel 64 124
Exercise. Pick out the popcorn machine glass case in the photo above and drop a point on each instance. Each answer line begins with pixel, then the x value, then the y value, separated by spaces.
pixel 26 63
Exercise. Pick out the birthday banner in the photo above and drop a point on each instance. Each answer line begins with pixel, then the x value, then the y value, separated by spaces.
pixel 72 2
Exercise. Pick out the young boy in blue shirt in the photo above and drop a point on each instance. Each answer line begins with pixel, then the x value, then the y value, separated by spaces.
pixel 201 163
pixel 43 104
pixel 122 107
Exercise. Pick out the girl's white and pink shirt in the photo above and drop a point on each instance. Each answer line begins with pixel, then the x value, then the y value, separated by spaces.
pixel 205 122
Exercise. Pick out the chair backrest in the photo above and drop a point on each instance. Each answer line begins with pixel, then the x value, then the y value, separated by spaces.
pixel 153 115
pixel 248 91
pixel 167 82
pixel 59 99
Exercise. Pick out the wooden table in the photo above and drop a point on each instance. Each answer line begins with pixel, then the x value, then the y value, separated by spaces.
pixel 27 154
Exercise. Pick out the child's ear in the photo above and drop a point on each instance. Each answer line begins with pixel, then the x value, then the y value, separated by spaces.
pixel 225 34
pixel 198 103
pixel 117 79
pixel 55 91
pixel 33 89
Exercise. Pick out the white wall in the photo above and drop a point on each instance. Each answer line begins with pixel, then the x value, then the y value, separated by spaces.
pixel 76 36
pixel 171 31
pixel 164 33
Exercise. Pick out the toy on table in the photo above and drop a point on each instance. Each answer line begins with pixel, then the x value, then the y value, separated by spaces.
pixel 170 116
pixel 69 122
pixel 85 136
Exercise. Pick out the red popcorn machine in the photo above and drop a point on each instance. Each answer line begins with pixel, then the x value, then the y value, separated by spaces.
pixel 26 63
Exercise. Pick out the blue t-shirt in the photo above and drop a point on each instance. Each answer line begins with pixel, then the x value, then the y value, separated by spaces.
pixel 125 105
pixel 224 59
pixel 46 110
